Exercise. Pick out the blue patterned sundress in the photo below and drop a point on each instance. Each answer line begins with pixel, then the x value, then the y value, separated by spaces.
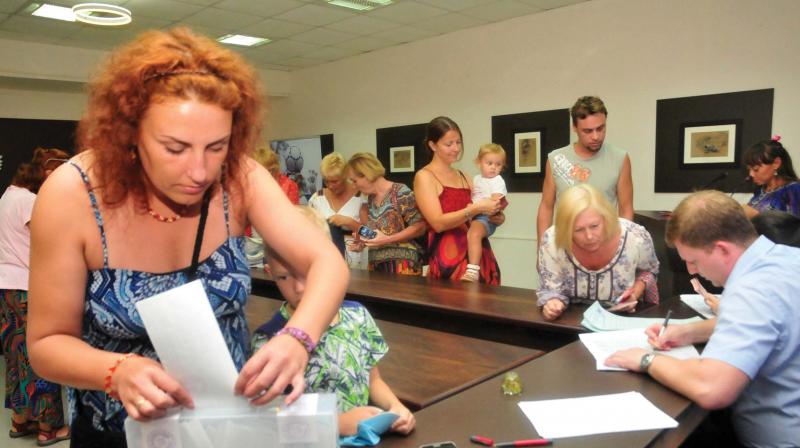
pixel 111 322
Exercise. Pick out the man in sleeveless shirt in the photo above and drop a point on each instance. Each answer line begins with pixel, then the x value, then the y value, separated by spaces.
pixel 589 160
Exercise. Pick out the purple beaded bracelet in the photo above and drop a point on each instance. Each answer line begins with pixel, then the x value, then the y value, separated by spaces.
pixel 300 335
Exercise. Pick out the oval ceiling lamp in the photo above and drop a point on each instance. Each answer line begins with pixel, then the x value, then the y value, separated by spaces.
pixel 101 14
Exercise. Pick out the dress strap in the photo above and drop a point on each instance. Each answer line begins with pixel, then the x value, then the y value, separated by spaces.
pixel 464 182
pixel 97 217
pixel 225 209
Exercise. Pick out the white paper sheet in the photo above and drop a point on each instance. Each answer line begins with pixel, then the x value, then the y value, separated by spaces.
pixel 697 303
pixel 188 340
pixel 570 417
pixel 602 344
pixel 596 318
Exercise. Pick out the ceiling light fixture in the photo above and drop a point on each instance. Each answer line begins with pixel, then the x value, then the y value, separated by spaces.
pixel 53 12
pixel 359 5
pixel 242 40
pixel 101 14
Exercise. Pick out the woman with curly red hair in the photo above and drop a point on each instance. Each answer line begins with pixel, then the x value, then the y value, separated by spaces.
pixel 160 194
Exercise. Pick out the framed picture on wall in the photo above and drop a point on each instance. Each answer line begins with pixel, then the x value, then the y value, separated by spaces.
pixel 712 144
pixel 401 150
pixel 300 159
pixel 401 159
pixel 528 138
pixel 700 139
pixel 527 152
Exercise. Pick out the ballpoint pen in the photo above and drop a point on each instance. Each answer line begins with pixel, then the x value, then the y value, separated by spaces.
pixel 666 322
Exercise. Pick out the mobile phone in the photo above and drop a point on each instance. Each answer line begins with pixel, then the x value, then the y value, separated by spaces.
pixel 367 233
pixel 447 444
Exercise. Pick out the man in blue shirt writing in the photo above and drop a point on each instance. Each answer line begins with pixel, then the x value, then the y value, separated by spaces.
pixel 752 359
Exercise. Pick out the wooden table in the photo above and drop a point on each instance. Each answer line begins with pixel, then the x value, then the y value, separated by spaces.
pixel 426 366
pixel 495 313
pixel 564 373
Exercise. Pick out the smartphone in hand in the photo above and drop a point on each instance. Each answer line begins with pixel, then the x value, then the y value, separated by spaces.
pixel 367 233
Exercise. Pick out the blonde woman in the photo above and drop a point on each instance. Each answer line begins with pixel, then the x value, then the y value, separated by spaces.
pixel 591 254
pixel 340 203
pixel 392 213
pixel 254 243
pixel 269 160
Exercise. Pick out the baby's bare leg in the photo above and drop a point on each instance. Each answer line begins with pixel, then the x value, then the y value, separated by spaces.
pixel 475 236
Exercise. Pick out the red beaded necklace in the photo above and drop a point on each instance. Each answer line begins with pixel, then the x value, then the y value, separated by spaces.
pixel 167 219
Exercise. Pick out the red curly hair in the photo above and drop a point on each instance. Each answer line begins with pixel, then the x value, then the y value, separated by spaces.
pixel 156 66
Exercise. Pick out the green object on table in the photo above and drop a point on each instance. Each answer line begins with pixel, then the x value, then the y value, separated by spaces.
pixel 511 384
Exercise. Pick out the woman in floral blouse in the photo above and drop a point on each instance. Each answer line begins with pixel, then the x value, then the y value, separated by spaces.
pixel 591 254
pixel 392 213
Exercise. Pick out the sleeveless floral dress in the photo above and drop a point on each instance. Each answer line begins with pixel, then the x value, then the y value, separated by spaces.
pixel 448 249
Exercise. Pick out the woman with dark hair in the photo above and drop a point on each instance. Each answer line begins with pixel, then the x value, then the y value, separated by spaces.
pixel 159 196
pixel 35 404
pixel 771 170
pixel 444 196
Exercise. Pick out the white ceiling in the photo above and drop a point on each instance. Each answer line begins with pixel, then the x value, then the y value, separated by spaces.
pixel 304 33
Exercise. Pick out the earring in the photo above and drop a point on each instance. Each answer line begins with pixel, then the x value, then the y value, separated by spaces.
pixel 776 173
pixel 132 152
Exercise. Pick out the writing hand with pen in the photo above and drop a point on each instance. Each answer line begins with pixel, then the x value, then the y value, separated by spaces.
pixel 658 335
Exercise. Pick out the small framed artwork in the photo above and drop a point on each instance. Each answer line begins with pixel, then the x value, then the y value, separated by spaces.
pixel 401 159
pixel 527 147
pixel 528 138
pixel 713 144
pixel 401 151
pixel 700 139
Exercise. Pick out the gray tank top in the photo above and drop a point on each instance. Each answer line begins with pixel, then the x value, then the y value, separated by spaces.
pixel 600 171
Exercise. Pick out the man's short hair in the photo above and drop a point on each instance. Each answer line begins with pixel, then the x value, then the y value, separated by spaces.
pixel 585 106
pixel 705 217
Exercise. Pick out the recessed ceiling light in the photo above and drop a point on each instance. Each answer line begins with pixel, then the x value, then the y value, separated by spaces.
pixel 242 40
pixel 101 14
pixel 359 5
pixel 54 12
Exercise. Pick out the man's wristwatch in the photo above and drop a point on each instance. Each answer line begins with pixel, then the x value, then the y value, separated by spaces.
pixel 645 362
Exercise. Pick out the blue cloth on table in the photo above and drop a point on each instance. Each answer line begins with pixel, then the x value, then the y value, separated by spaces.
pixel 370 430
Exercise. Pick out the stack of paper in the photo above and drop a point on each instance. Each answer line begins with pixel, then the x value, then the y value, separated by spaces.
pixel 604 344
pixel 596 318
pixel 698 303
pixel 570 417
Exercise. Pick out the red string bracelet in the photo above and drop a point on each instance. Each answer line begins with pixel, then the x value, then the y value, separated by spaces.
pixel 111 370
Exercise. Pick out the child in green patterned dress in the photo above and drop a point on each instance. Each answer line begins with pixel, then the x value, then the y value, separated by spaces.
pixel 345 358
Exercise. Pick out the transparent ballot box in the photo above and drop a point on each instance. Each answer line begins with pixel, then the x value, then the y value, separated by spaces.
pixel 310 422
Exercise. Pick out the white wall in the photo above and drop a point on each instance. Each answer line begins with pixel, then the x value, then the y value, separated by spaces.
pixel 629 52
